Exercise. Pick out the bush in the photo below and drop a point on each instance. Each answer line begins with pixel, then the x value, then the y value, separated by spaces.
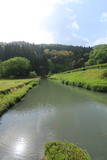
pixel 32 74
pixel 104 74
pixel 98 55
pixel 15 67
pixel 64 151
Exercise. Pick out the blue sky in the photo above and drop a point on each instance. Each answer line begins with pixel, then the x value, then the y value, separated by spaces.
pixel 74 22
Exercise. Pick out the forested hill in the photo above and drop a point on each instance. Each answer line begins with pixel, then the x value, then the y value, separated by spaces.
pixel 63 57
pixel 54 58
pixel 46 57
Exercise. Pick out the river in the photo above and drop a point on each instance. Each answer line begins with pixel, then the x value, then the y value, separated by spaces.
pixel 51 112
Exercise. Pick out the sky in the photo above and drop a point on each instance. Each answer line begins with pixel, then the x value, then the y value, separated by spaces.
pixel 71 22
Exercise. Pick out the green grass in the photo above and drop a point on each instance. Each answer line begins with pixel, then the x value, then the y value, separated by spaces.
pixel 8 99
pixel 7 84
pixel 92 79
pixel 98 66
pixel 65 151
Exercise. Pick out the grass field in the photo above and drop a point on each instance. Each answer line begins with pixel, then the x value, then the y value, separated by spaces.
pixel 98 66
pixel 7 84
pixel 92 79
pixel 16 90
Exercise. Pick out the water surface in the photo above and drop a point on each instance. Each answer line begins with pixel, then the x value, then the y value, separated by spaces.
pixel 50 112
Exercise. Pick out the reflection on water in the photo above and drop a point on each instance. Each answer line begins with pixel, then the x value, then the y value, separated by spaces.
pixel 20 146
pixel 24 134
pixel 54 112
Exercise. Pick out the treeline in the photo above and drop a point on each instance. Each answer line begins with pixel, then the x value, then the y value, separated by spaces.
pixel 17 67
pixel 32 52
pixel 98 55
pixel 54 58
pixel 46 58
pixel 62 58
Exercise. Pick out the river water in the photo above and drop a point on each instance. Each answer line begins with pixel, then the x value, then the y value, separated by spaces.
pixel 51 112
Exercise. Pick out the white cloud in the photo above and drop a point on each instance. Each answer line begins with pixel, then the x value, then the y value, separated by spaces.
pixel 103 17
pixel 75 26
pixel 72 24
pixel 74 38
pixel 70 14
pixel 66 1
pixel 44 37
pixel 25 19
pixel 100 41
pixel 77 40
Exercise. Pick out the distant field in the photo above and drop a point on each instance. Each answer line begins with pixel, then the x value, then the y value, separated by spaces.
pixel 92 79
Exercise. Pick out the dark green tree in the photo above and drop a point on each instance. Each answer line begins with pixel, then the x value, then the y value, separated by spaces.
pixel 62 57
pixel 98 55
pixel 15 67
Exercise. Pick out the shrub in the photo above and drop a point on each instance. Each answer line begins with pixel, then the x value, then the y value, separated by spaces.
pixel 17 67
pixel 64 151
pixel 98 55
pixel 104 74
pixel 32 74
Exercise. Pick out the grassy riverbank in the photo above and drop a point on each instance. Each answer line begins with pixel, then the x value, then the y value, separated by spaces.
pixel 92 79
pixel 11 91
pixel 64 151
pixel 9 84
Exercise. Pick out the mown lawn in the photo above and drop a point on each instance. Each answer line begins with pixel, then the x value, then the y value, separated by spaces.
pixel 92 79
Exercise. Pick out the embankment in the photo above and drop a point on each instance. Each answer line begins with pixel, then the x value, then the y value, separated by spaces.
pixel 91 79
pixel 18 89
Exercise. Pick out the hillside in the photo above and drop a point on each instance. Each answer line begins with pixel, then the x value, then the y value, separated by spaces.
pixel 46 58
pixel 92 79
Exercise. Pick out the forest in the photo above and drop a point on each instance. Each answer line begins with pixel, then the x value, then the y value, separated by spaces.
pixel 46 58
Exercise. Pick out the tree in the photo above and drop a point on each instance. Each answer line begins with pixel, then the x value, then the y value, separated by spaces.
pixel 98 55
pixel 15 67
pixel 61 56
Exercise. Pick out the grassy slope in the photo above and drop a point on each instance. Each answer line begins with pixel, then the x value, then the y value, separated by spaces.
pixel 90 79
pixel 12 96
pixel 7 84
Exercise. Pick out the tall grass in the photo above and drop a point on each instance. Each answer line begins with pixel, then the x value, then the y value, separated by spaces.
pixel 6 85
pixel 92 79
pixel 98 66
pixel 15 95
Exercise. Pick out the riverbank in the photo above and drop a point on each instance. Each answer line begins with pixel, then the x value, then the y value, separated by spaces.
pixel 11 91
pixel 92 79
